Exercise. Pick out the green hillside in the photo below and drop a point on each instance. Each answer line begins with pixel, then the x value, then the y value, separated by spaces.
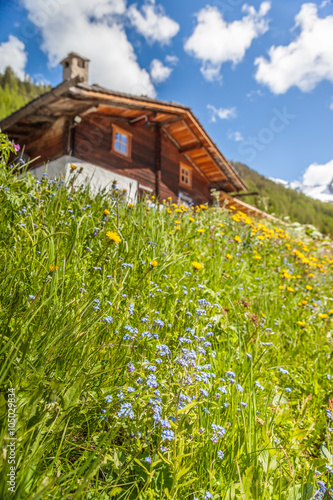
pixel 283 202
pixel 15 93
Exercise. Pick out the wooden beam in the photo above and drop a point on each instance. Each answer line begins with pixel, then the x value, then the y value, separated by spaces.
pixel 191 147
pixel 141 120
pixel 35 118
pixel 158 158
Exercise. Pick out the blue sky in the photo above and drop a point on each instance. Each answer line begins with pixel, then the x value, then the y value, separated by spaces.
pixel 258 77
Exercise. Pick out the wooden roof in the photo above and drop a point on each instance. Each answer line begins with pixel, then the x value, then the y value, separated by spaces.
pixel 73 98
pixel 227 201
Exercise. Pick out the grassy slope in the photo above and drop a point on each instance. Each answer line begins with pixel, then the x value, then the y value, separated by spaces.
pixel 280 201
pixel 72 309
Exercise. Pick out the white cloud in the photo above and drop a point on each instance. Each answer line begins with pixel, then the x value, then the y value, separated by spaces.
pixel 152 23
pixel 158 72
pixel 214 41
pixel 222 113
pixel 235 136
pixel 94 30
pixel 318 175
pixel 173 60
pixel 12 53
pixel 331 105
pixel 304 62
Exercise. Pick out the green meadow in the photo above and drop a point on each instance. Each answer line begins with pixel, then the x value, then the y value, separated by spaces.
pixel 158 351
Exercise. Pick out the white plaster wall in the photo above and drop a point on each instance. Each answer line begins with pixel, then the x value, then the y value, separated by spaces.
pixel 97 177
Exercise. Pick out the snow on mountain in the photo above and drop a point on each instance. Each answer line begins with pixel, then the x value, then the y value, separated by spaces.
pixel 317 182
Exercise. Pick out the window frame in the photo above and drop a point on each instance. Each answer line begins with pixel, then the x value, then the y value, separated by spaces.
pixel 189 170
pixel 119 130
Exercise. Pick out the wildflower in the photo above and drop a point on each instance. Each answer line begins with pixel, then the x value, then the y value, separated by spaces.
pixel 153 263
pixel 323 316
pixel 126 411
pixel 130 205
pixel 113 236
pixel 169 435
pixel 237 238
pixel 196 265
pixel 282 370
pixel 288 389
pixel 239 388
pixel 163 350
pixel 73 167
pixel 228 256
pixel 148 459
pixel 31 298
pixel 106 212
pixel 108 398
pixel 208 496
pixel 220 454
pixel 200 230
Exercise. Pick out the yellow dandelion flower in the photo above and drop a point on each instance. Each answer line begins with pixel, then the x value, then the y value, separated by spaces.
pixel 323 316
pixel 73 167
pixel 257 257
pixel 113 236
pixel 53 267
pixel 281 287
pixel 221 225
pixel 308 287
pixel 290 289
pixel 191 219
pixel 130 205
pixel 106 212
pixel 200 230
pixel 197 265
pixel 301 323
pixel 237 238
pixel 331 311
pixel 177 227
pixel 153 197
pixel 232 207
pixel 153 263
pixel 228 256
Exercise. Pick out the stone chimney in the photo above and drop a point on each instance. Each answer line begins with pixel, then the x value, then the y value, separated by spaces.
pixel 74 65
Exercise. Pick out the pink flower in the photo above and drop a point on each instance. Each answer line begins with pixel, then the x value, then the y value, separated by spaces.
pixel 16 147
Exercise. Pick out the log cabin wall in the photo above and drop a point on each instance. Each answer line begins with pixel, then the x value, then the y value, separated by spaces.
pixel 92 142
pixel 49 145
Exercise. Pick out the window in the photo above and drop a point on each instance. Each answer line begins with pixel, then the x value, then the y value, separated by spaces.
pixel 185 176
pixel 121 142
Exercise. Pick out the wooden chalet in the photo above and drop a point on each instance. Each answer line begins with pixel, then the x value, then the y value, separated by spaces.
pixel 146 145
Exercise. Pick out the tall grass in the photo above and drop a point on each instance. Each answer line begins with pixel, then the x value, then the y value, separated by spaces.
pixel 191 359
